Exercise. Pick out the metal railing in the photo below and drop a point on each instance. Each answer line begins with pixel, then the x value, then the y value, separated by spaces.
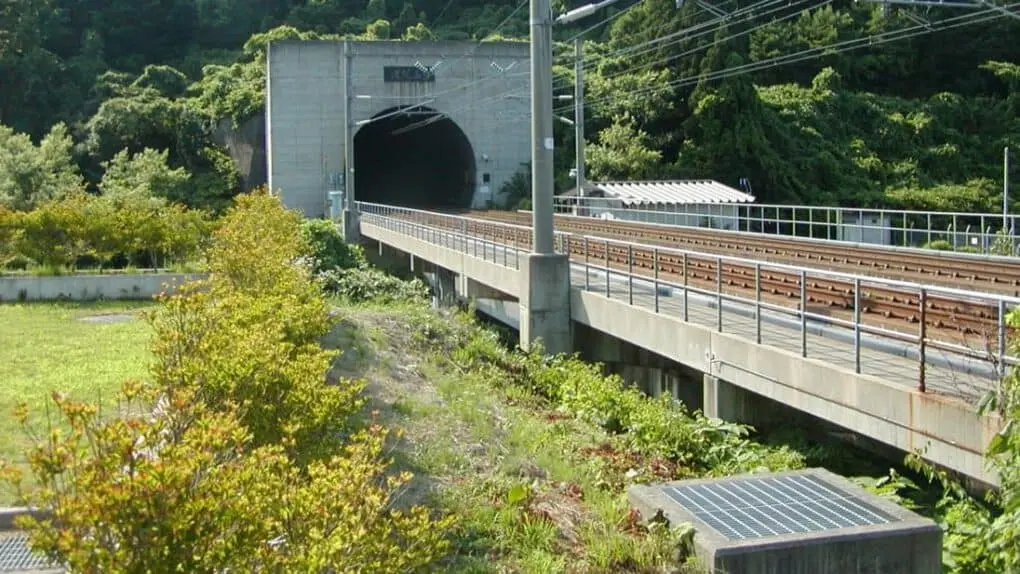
pixel 956 231
pixel 961 365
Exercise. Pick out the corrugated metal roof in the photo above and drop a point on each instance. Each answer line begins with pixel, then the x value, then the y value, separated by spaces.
pixel 667 192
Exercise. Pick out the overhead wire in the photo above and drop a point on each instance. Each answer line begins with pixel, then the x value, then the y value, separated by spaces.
pixel 516 91
pixel 828 49
pixel 470 53
pixel 785 3
pixel 810 53
pixel 605 20
pixel 683 34
pixel 667 59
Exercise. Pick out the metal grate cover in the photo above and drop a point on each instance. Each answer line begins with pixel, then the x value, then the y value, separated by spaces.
pixel 760 507
pixel 15 555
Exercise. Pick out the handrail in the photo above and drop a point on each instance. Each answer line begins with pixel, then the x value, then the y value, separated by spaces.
pixel 926 351
pixel 909 226
pixel 869 279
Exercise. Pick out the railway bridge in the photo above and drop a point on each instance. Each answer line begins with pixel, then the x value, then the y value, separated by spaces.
pixel 881 354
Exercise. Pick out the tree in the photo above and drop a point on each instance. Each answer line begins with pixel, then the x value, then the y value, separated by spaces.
pixel 378 30
pixel 375 10
pixel 406 19
pixel 31 174
pixel 418 33
pixel 622 153
pixel 169 82
pixel 130 124
pixel 144 175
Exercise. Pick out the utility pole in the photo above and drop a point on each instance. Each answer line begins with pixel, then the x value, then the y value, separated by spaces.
pixel 350 207
pixel 579 114
pixel 1005 190
pixel 541 127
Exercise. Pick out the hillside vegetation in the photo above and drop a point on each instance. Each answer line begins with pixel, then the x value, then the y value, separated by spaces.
pixel 917 122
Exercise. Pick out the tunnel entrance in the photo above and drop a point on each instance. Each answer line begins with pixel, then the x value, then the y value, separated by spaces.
pixel 414 157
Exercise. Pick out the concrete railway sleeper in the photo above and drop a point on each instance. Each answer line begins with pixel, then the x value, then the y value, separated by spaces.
pixel 974 272
pixel 951 320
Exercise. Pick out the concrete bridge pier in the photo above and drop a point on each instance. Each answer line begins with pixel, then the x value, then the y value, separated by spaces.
pixel 545 303
pixel 352 233
pixel 444 285
pixel 723 400
pixel 651 373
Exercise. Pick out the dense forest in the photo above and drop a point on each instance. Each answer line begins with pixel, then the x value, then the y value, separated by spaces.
pixel 821 102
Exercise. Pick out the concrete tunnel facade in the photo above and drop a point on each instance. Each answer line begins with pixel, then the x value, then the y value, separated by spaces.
pixel 435 124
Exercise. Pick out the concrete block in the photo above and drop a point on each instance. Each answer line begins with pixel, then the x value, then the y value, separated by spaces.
pixel 799 522
pixel 545 302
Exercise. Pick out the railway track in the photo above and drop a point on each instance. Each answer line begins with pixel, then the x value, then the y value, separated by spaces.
pixel 971 273
pixel 912 315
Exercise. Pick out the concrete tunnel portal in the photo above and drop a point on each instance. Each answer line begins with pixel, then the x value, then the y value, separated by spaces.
pixel 414 158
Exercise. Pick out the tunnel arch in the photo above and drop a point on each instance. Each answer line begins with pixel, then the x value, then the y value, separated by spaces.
pixel 414 157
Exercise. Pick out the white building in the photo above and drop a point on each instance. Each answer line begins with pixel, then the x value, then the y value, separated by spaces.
pixel 700 203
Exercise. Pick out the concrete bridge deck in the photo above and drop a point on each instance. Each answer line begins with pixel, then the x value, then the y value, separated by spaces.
pixel 863 382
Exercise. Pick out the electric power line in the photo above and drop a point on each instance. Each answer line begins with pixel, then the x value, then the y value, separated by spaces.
pixel 840 47
pixel 511 93
pixel 728 38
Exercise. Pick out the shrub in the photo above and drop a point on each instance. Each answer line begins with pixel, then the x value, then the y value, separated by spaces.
pixel 254 328
pixel 328 249
pixel 10 235
pixel 53 234
pixel 190 494
pixel 237 456
pixel 258 356
pixel 62 233
pixel 659 427
pixel 939 245
pixel 362 285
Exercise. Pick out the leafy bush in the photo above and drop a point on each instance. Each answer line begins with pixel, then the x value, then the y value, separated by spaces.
pixel 62 233
pixel 328 249
pixel 939 245
pixel 657 427
pixel 10 233
pixel 190 494
pixel 344 271
pixel 53 233
pixel 367 284
pixel 943 245
pixel 237 456
pixel 654 426
pixel 254 328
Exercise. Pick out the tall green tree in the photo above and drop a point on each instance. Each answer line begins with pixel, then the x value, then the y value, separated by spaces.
pixel 30 174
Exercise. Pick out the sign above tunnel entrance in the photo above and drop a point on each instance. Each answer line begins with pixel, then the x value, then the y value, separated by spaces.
pixel 408 74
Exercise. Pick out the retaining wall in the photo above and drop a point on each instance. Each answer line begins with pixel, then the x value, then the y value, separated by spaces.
pixel 90 287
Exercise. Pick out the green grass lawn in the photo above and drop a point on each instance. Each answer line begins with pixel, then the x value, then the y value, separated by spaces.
pixel 83 349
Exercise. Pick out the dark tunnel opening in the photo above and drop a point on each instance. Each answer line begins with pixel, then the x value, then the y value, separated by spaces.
pixel 418 158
